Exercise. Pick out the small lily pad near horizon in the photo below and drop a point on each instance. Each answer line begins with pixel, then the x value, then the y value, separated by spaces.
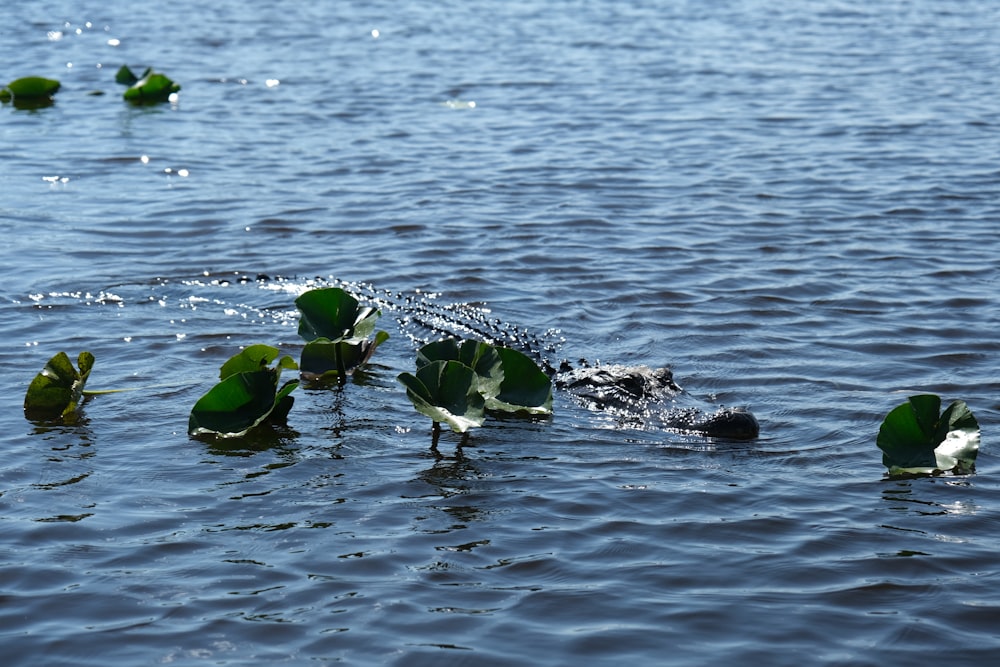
pixel 30 92
pixel 150 88
pixel 917 439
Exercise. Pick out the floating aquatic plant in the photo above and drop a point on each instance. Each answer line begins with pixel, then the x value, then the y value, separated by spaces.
pixel 340 334
pixel 247 396
pixel 456 382
pixel 126 77
pixel 57 390
pixel 151 88
pixel 446 391
pixel 917 438
pixel 481 357
pixel 29 92
pixel 525 387
pixel 254 358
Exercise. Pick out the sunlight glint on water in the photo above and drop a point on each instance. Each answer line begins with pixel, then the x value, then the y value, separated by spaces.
pixel 792 205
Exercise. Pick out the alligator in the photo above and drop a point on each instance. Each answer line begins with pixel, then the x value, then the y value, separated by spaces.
pixel 636 396
pixel 633 396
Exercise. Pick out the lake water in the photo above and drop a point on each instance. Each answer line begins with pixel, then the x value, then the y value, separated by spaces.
pixel 794 205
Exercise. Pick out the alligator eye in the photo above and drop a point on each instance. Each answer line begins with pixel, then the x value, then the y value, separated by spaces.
pixel 633 384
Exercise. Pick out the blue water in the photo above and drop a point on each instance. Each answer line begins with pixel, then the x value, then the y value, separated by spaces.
pixel 794 205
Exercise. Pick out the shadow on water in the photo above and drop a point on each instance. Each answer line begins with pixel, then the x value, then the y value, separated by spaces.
pixel 68 463
pixel 266 438
pixel 453 477
pixel 69 444
pixel 930 496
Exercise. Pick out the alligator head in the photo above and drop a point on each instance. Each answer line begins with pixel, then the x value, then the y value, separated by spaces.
pixel 649 396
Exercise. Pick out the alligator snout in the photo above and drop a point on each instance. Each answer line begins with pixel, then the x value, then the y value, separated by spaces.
pixel 730 423
pixel 649 395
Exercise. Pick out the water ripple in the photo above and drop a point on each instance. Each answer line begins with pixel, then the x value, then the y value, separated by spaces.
pixel 793 220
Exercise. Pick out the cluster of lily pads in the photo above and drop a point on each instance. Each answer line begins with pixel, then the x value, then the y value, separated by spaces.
pixel 35 91
pixel 456 382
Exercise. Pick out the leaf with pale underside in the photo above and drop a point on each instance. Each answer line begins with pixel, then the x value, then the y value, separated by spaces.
pixel 916 439
pixel 446 391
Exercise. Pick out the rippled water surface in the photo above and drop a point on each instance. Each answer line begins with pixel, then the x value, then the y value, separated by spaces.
pixel 794 205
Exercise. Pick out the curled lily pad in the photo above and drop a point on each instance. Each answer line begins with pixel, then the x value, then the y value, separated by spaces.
pixel 525 387
pixel 29 92
pixel 127 77
pixel 152 88
pixel 332 313
pixel 481 357
pixel 339 332
pixel 510 381
pixel 240 403
pixel 254 358
pixel 325 360
pixel 446 391
pixel 916 439
pixel 505 380
pixel 247 396
pixel 56 391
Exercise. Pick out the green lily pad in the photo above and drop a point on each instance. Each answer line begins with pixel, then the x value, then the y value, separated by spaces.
pixel 254 358
pixel 510 381
pixel 56 391
pixel 246 397
pixel 481 357
pixel 338 330
pixel 241 403
pixel 505 380
pixel 29 88
pixel 324 360
pixel 332 313
pixel 151 89
pixel 127 77
pixel 446 391
pixel 916 439
pixel 30 92
pixel 525 387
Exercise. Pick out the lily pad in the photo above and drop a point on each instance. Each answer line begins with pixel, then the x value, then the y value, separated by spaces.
pixel 332 313
pixel 446 391
pixel 29 92
pixel 338 330
pixel 509 380
pixel 324 360
pixel 56 391
pixel 152 88
pixel 525 387
pixel 240 403
pixel 127 77
pixel 254 358
pixel 916 439
pixel 29 87
pixel 505 380
pixel 481 357
pixel 247 395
